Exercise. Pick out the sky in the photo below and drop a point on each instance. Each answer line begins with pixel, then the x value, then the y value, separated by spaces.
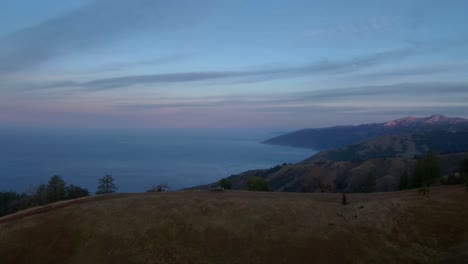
pixel 266 64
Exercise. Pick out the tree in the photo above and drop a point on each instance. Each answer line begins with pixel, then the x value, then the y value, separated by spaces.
pixel 56 189
pixel 106 185
pixel 427 170
pixel 257 184
pixel 41 195
pixel 7 201
pixel 74 192
pixel 418 177
pixel 433 167
pixel 464 168
pixel 404 181
pixel 225 183
pixel 370 183
pixel 464 172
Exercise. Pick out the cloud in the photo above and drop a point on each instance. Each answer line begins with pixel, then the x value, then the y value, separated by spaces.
pixel 96 24
pixel 123 65
pixel 416 71
pixel 368 25
pixel 345 99
pixel 267 73
pixel 255 75
pixel 405 89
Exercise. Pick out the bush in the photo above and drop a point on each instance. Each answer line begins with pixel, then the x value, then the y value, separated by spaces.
pixel 159 188
pixel 74 192
pixel 424 190
pixel 257 184
pixel 225 183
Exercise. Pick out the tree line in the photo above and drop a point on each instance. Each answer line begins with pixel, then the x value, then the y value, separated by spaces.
pixel 427 171
pixel 55 190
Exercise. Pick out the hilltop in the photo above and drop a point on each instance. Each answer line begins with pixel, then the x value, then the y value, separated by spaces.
pixel 243 227
pixel 340 136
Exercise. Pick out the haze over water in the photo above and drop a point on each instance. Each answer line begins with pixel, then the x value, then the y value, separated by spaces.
pixel 137 160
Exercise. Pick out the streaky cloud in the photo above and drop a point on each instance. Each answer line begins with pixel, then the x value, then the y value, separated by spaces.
pixel 324 99
pixel 416 71
pixel 257 75
pixel 97 24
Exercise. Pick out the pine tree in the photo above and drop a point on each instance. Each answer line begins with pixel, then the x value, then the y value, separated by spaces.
pixel 427 170
pixel 370 183
pixel 106 185
pixel 433 167
pixel 56 189
pixel 404 181
pixel 418 178
pixel 464 168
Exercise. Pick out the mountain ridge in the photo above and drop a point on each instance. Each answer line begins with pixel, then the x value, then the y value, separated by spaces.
pixel 386 157
pixel 340 136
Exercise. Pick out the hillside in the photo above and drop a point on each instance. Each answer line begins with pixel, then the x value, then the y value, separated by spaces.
pixel 398 146
pixel 244 227
pixel 318 175
pixel 340 136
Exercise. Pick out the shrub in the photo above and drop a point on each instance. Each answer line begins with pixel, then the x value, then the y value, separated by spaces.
pixel 225 183
pixel 74 192
pixel 159 188
pixel 257 184
pixel 423 190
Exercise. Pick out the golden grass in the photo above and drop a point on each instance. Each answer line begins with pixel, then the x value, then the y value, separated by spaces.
pixel 244 227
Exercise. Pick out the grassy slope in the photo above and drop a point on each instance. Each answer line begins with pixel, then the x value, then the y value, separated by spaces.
pixel 317 177
pixel 244 227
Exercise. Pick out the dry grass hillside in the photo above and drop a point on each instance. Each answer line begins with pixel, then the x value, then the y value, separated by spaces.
pixel 313 176
pixel 243 227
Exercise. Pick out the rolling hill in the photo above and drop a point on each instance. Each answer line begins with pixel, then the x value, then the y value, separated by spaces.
pixel 339 176
pixel 345 169
pixel 243 227
pixel 398 146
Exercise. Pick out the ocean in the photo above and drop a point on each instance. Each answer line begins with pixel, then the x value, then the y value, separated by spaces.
pixel 136 160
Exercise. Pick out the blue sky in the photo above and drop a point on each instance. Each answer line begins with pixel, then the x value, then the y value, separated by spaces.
pixel 230 64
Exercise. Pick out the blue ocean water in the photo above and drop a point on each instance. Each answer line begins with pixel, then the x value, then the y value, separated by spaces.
pixel 137 160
